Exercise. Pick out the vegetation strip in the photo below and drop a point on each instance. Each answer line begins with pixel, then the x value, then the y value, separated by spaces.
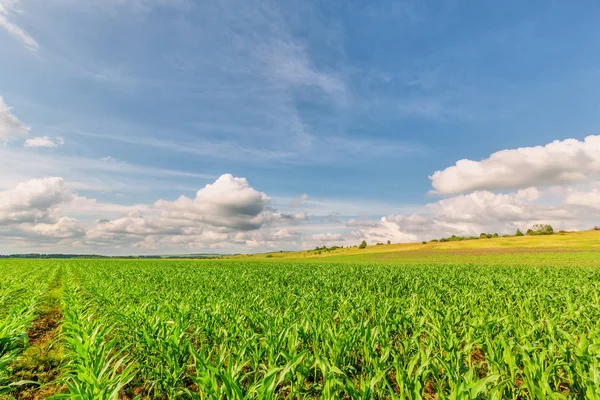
pixel 41 362
pixel 239 329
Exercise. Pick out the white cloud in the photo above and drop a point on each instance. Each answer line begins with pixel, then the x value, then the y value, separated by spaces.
pixel 471 214
pixel 229 203
pixel 63 228
pixel 560 162
pixel 589 199
pixel 10 127
pixel 33 201
pixel 44 141
pixel 225 214
pixel 8 8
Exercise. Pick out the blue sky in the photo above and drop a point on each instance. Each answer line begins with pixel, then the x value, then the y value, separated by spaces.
pixel 353 104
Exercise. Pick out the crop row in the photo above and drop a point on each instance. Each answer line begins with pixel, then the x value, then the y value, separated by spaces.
pixel 21 287
pixel 224 330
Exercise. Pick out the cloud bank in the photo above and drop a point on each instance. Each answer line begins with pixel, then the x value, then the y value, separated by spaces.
pixel 230 215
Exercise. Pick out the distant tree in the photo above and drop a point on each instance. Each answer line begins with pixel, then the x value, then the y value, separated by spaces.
pixel 519 233
pixel 540 229
pixel 483 235
pixel 388 242
pixel 363 244
pixel 424 242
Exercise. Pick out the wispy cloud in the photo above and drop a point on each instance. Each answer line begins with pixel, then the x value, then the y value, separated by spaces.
pixel 290 64
pixel 214 149
pixel 91 174
pixel 328 150
pixel 8 9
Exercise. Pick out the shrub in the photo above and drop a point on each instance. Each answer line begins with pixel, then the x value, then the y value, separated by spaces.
pixel 363 244
pixel 424 242
pixel 269 256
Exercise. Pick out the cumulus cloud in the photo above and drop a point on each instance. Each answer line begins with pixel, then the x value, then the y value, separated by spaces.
pixel 63 228
pixel 32 201
pixel 228 212
pixel 10 127
pixel 229 202
pixel 44 141
pixel 557 163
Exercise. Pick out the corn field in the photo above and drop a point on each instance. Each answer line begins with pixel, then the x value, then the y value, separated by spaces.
pixel 283 330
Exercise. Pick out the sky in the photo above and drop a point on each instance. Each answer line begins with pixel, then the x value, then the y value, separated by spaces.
pixel 223 126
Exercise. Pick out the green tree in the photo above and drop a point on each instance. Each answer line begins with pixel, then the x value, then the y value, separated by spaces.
pixel 363 244
pixel 540 229
pixel 519 233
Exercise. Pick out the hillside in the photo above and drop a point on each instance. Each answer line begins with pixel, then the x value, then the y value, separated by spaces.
pixel 558 249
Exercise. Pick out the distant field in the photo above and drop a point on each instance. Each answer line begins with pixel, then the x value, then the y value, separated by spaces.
pixel 467 320
pixel 573 248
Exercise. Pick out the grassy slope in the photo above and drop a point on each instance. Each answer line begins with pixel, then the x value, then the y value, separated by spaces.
pixel 575 248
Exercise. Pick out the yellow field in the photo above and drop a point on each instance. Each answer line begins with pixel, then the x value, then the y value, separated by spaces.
pixel 581 248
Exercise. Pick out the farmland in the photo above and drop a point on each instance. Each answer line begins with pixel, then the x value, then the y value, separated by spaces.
pixel 445 323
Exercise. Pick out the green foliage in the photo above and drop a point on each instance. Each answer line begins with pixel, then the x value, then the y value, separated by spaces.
pixel 233 329
pixel 519 233
pixel 389 242
pixel 20 291
pixel 318 249
pixel 363 244
pixel 540 229
pixel 455 238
